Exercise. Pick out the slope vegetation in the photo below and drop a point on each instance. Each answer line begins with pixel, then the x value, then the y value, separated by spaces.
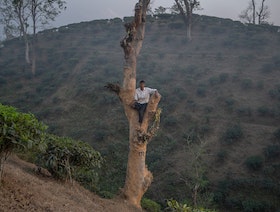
pixel 220 104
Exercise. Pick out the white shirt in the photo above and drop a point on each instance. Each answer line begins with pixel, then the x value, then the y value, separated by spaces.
pixel 143 97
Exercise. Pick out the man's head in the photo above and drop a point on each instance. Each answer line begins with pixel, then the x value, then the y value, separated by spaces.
pixel 142 84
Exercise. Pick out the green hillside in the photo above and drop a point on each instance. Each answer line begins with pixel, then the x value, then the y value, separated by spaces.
pixel 221 104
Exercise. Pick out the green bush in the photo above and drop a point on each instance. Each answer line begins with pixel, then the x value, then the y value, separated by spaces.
pixel 276 134
pixel 244 111
pixel 263 111
pixel 233 133
pixel 221 156
pixel 201 91
pixel 150 205
pixel 246 83
pixel 254 162
pixel 175 206
pixel 272 151
pixel 18 131
pixel 68 159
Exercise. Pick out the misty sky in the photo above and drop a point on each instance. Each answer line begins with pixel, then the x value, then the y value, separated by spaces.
pixel 86 10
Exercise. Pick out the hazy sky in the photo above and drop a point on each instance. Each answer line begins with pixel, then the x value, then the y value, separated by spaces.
pixel 86 10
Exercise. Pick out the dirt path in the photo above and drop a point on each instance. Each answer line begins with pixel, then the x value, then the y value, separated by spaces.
pixel 24 190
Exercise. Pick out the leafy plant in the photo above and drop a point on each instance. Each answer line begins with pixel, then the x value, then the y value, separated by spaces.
pixel 272 151
pixel 276 134
pixel 18 131
pixel 150 205
pixel 254 162
pixel 233 133
pixel 175 206
pixel 67 159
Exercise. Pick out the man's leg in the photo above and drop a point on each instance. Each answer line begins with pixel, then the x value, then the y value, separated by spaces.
pixel 142 112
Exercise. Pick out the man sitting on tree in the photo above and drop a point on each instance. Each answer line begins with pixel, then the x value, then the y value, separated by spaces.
pixel 142 96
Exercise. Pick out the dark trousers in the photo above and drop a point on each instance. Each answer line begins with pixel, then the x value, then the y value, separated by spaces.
pixel 141 110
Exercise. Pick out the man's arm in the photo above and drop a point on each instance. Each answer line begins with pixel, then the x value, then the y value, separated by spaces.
pixel 152 91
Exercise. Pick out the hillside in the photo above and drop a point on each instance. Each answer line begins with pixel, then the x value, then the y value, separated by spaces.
pixel 220 93
pixel 26 190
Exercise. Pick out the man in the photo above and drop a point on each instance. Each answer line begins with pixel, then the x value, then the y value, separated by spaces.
pixel 142 96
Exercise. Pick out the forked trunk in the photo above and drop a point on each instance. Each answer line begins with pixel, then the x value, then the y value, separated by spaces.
pixel 138 178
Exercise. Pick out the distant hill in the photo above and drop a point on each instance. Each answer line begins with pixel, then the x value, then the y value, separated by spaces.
pixel 221 96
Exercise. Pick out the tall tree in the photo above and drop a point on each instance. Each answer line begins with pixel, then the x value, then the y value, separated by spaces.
pixel 42 11
pixel 138 177
pixel 263 13
pixel 186 8
pixel 250 14
pixel 254 11
pixel 15 15
pixel 22 14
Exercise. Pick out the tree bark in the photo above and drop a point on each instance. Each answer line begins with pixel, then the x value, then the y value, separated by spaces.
pixel 138 177
pixel 187 16
pixel 260 13
pixel 254 11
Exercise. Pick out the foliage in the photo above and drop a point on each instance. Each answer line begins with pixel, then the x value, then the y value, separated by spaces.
pixel 246 83
pixel 244 111
pixel 272 151
pixel 150 205
pixel 230 194
pixel 201 91
pixel 233 133
pixel 254 162
pixel 276 134
pixel 175 206
pixel 67 159
pixel 18 131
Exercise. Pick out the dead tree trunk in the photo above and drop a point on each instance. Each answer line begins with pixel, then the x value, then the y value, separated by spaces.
pixel 138 178
pixel 254 11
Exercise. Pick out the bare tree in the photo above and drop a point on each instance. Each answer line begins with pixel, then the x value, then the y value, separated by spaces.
pixel 42 11
pixel 250 13
pixel 138 177
pixel 254 11
pixel 193 176
pixel 263 13
pixel 14 16
pixel 7 20
pixel 185 9
pixel 18 15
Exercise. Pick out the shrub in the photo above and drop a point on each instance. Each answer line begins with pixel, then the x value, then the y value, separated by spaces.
pixel 150 205
pixel 272 151
pixel 246 83
pixel 221 156
pixel 244 111
pixel 233 133
pixel 175 206
pixel 254 162
pixel 263 111
pixel 201 91
pixel 229 102
pixel 276 134
pixel 170 121
pixel 18 131
pixel 67 159
pixel 223 77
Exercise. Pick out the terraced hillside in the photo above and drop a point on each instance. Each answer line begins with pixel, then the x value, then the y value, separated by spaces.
pixel 221 109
